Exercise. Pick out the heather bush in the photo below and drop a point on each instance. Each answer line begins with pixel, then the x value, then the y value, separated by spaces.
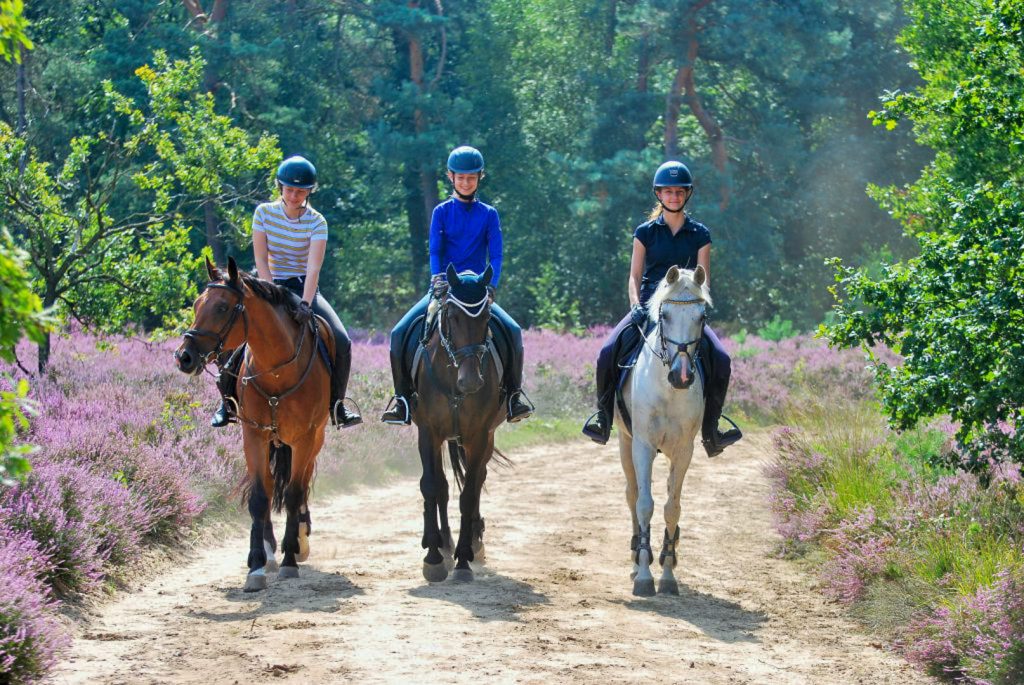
pixel 31 636
pixel 889 519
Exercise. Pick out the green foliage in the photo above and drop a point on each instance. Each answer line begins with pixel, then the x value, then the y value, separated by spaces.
pixel 554 309
pixel 956 311
pixel 13 30
pixel 777 329
pixel 106 232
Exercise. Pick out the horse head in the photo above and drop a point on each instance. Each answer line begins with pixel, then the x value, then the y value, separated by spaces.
pixel 679 309
pixel 215 328
pixel 465 312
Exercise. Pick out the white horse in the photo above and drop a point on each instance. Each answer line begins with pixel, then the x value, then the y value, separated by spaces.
pixel 666 401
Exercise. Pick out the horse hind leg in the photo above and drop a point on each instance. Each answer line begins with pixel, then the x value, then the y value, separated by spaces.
pixel 305 528
pixel 269 545
pixel 626 457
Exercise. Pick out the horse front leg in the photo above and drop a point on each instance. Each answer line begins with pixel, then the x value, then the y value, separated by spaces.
pixel 479 551
pixel 469 508
pixel 434 568
pixel 626 457
pixel 679 463
pixel 643 462
pixel 260 490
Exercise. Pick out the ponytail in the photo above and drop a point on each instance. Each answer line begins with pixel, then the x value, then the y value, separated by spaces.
pixel 655 212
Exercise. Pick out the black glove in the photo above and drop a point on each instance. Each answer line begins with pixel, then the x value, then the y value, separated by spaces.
pixel 492 292
pixel 638 315
pixel 303 313
pixel 438 287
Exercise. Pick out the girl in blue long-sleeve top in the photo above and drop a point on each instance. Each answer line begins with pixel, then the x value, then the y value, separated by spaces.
pixel 466 233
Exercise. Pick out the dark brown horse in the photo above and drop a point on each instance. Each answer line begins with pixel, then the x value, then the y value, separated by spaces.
pixel 283 395
pixel 460 400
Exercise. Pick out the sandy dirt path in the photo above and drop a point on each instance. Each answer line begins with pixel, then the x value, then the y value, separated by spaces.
pixel 553 603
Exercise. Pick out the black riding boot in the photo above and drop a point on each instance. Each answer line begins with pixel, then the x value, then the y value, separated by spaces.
pixel 599 426
pixel 518 409
pixel 714 440
pixel 227 380
pixel 340 414
pixel 398 411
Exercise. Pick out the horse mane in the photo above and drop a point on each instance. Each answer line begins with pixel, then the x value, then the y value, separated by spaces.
pixel 271 293
pixel 668 291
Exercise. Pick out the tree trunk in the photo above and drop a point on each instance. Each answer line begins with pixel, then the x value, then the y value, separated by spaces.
pixel 213 236
pixel 44 353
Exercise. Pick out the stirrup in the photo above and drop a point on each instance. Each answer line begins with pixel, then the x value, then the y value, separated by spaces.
pixel 530 407
pixel 342 418
pixel 400 405
pixel 594 433
pixel 229 407
pixel 720 440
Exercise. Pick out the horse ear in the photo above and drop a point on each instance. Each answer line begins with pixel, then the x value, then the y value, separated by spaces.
pixel 485 277
pixel 699 275
pixel 211 270
pixel 232 270
pixel 451 273
pixel 673 275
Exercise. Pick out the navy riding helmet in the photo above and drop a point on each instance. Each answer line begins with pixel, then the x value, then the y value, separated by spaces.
pixel 672 174
pixel 297 172
pixel 465 160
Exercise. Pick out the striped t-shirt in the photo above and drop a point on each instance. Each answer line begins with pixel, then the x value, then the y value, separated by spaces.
pixel 288 239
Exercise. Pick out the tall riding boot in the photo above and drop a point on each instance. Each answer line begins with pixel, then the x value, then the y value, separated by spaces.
pixel 227 381
pixel 714 440
pixel 398 411
pixel 340 414
pixel 518 407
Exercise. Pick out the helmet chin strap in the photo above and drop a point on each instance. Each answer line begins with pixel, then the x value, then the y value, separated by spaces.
pixel 464 198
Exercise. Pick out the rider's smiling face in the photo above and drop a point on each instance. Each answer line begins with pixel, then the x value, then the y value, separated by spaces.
pixel 673 198
pixel 294 197
pixel 465 184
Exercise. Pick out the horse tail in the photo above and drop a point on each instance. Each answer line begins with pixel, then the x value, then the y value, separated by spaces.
pixel 458 457
pixel 281 466
pixel 501 459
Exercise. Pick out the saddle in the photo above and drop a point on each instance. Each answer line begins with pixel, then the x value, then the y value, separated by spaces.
pixel 629 352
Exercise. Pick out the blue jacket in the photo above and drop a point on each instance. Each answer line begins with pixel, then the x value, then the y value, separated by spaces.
pixel 467 234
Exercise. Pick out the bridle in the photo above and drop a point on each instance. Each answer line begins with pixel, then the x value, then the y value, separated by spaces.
pixel 250 379
pixel 680 347
pixel 473 310
pixel 194 334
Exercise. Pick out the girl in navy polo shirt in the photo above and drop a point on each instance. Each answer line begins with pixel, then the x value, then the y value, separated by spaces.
pixel 669 238
pixel 466 233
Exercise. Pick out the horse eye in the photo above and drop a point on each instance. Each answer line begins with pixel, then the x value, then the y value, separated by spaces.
pixel 221 307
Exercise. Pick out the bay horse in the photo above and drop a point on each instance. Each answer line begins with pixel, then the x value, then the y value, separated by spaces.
pixel 666 403
pixel 459 400
pixel 283 396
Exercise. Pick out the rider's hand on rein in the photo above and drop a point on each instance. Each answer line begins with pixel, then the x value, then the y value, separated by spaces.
pixel 303 313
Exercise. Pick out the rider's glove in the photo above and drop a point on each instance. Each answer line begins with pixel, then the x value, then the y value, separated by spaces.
pixel 438 286
pixel 303 313
pixel 638 315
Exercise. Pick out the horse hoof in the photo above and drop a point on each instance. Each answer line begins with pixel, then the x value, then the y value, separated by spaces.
pixel 435 573
pixel 668 586
pixel 643 588
pixel 463 575
pixel 303 549
pixel 288 572
pixel 255 583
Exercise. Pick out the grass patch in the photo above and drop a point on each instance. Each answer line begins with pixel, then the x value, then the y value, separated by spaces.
pixel 538 431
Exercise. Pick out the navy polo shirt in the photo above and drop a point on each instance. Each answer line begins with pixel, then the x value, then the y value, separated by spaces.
pixel 665 250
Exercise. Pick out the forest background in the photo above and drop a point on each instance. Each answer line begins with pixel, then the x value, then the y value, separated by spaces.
pixel 574 103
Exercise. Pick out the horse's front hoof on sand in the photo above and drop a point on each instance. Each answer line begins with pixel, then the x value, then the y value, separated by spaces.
pixel 254 582
pixel 288 572
pixel 668 586
pixel 643 588
pixel 435 573
pixel 463 575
